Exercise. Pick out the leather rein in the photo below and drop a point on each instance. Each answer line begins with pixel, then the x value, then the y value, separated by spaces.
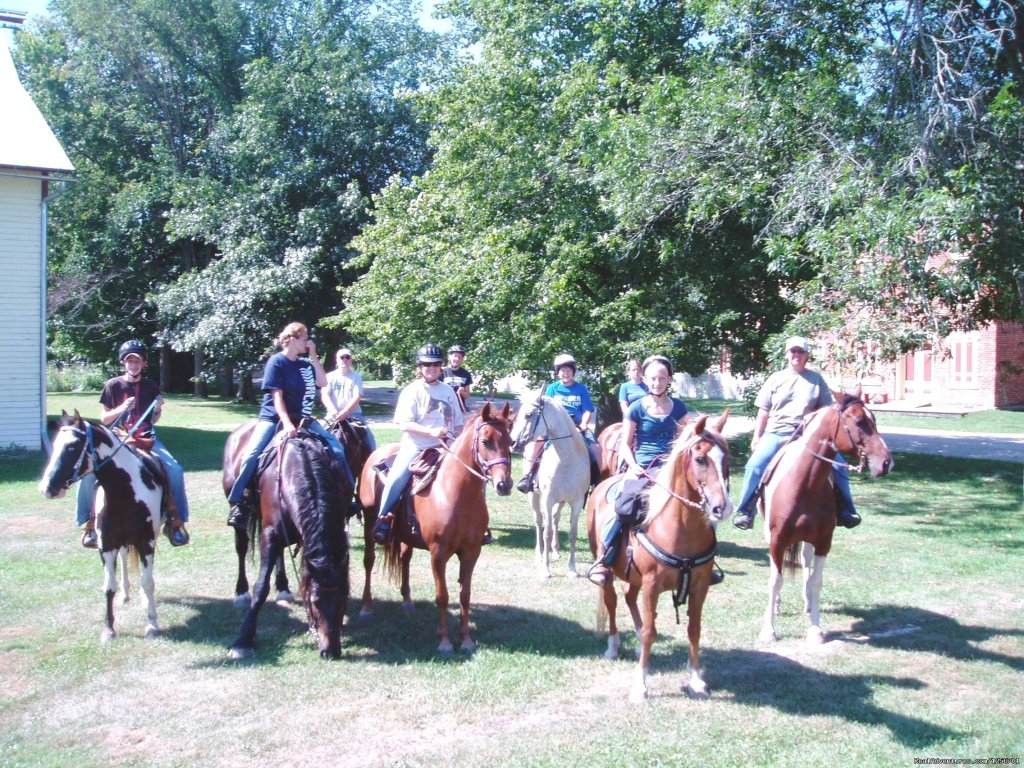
pixel 832 445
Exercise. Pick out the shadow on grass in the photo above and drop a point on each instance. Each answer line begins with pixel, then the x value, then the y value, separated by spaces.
pixel 763 679
pixel 908 628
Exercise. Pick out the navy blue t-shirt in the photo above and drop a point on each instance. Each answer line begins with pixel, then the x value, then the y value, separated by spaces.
pixel 297 381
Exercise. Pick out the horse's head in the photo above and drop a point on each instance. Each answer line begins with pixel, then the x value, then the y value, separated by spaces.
pixel 492 447
pixel 70 457
pixel 529 421
pixel 858 433
pixel 700 457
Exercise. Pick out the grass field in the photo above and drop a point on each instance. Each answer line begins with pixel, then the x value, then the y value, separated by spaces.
pixel 923 607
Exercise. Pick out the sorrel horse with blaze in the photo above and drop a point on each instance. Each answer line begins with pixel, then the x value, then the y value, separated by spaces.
pixel 799 503
pixel 450 515
pixel 303 503
pixel 673 548
pixel 129 503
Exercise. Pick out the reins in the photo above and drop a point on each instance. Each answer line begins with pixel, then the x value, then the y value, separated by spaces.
pixel 703 506
pixel 484 465
pixel 90 446
pixel 832 444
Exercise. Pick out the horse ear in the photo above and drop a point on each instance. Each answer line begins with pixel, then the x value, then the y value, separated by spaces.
pixel 858 391
pixel 485 414
pixel 720 424
pixel 698 428
pixel 78 416
pixel 505 411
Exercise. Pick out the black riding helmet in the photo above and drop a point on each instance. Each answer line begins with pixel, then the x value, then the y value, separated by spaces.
pixel 132 347
pixel 429 353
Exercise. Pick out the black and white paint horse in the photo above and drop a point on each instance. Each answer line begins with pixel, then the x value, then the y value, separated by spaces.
pixel 129 502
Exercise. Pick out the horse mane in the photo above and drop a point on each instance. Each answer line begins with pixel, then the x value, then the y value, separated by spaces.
pixel 320 518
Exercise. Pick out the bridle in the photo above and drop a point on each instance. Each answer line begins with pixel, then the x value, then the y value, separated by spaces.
pixel 485 465
pixel 705 503
pixel 534 419
pixel 832 446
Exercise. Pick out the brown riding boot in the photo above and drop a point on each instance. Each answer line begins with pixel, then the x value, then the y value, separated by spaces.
pixel 174 528
pixel 89 538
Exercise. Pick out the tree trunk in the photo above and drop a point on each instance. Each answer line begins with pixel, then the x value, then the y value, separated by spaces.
pixel 245 391
pixel 198 383
pixel 165 368
pixel 608 412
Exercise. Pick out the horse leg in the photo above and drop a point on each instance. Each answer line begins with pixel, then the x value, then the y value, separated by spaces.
pixel 814 572
pixel 246 641
pixel 284 594
pixel 541 557
pixel 696 687
pixel 369 558
pixel 574 521
pixel 555 517
pixel 466 565
pixel 110 589
pixel 125 581
pixel 610 606
pixel 632 595
pixel 148 591
pixel 242 598
pixel 648 634
pixel 438 560
pixel 774 601
pixel 407 604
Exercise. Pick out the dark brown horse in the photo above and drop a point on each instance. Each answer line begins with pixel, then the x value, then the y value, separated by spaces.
pixel 303 504
pixel 356 452
pixel 129 503
pixel 451 514
pixel 801 504
pixel 674 547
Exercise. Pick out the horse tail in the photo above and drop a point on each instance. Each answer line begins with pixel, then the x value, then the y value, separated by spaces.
pixel 790 560
pixel 393 560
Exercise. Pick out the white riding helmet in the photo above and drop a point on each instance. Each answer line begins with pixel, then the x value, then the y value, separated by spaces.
pixel 565 359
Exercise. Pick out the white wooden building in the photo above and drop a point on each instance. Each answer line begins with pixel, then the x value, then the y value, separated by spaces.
pixel 32 164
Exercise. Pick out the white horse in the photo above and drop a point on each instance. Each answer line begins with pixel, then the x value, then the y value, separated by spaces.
pixel 563 476
pixel 129 503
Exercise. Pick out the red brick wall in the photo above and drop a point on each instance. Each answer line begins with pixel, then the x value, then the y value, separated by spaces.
pixel 1009 364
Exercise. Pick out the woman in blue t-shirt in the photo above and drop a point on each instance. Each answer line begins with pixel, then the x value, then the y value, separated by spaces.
pixel 290 383
pixel 648 429
pixel 633 388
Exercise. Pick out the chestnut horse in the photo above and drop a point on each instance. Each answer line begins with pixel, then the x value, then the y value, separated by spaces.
pixel 129 503
pixel 799 502
pixel 451 514
pixel 672 549
pixel 303 503
pixel 609 442
pixel 356 452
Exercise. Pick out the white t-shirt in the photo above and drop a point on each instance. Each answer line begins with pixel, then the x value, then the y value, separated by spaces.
pixel 430 405
pixel 342 387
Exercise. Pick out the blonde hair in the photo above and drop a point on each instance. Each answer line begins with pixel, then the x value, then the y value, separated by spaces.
pixel 291 331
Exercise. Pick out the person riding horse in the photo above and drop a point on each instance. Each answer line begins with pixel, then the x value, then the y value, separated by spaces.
pixel 343 394
pixel 289 385
pixel 457 377
pixel 575 398
pixel 785 400
pixel 648 429
pixel 429 413
pixel 134 404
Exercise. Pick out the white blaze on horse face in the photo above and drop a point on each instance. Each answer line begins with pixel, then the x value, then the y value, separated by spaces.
pixel 64 451
pixel 717 457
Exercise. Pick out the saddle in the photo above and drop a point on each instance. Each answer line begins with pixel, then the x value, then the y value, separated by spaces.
pixel 769 471
pixel 423 468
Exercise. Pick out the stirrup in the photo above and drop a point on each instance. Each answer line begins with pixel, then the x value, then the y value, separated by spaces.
pixel 238 518
pixel 382 528
pixel 599 573
pixel 717 575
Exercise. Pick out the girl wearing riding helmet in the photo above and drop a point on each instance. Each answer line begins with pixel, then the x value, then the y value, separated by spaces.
pixel 648 429
pixel 575 398
pixel 429 413
pixel 290 383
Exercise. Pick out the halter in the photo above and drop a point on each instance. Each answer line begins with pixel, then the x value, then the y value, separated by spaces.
pixel 485 466
pixel 832 445
pixel 705 503
pixel 89 449
pixel 537 417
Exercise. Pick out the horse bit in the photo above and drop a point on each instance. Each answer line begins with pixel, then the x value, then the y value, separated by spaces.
pixel 832 444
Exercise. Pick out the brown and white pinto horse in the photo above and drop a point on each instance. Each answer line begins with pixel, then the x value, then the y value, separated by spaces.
pixel 799 502
pixel 674 547
pixel 451 514
pixel 129 503
pixel 303 503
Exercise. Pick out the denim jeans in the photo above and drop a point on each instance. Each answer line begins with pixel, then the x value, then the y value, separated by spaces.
pixel 398 478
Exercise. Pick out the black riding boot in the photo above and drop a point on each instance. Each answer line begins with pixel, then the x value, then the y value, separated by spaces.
pixel 238 517
pixel 846 515
pixel 526 484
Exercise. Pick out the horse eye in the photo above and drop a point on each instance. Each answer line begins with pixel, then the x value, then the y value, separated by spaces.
pixel 488 444
pixel 701 461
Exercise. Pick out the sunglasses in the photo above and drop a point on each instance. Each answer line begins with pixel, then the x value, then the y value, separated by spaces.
pixel 430 365
pixel 345 357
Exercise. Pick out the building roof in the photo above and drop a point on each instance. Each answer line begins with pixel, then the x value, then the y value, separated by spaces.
pixel 26 140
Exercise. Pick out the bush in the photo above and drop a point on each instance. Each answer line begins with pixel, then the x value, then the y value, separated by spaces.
pixel 75 377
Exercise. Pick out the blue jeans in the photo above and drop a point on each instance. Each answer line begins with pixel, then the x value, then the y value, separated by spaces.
pixel 398 478
pixel 767 447
pixel 260 438
pixel 86 497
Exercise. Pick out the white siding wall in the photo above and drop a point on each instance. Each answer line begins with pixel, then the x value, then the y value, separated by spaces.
pixel 21 377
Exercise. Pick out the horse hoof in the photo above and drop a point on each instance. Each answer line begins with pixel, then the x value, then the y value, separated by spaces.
pixel 365 613
pixel 107 635
pixel 572 574
pixel 815 636
pixel 152 632
pixel 468 646
pixel 610 654
pixel 237 653
pixel 285 597
pixel 638 696
pixel 446 648
pixel 767 637
pixel 242 601
pixel 697 692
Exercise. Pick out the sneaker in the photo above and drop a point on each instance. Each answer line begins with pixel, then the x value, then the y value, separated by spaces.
pixel 599 574
pixel 744 519
pixel 89 539
pixel 848 519
pixel 382 528
pixel 179 537
pixel 238 518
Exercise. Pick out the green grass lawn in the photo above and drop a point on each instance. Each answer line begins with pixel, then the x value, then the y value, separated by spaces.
pixel 923 607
